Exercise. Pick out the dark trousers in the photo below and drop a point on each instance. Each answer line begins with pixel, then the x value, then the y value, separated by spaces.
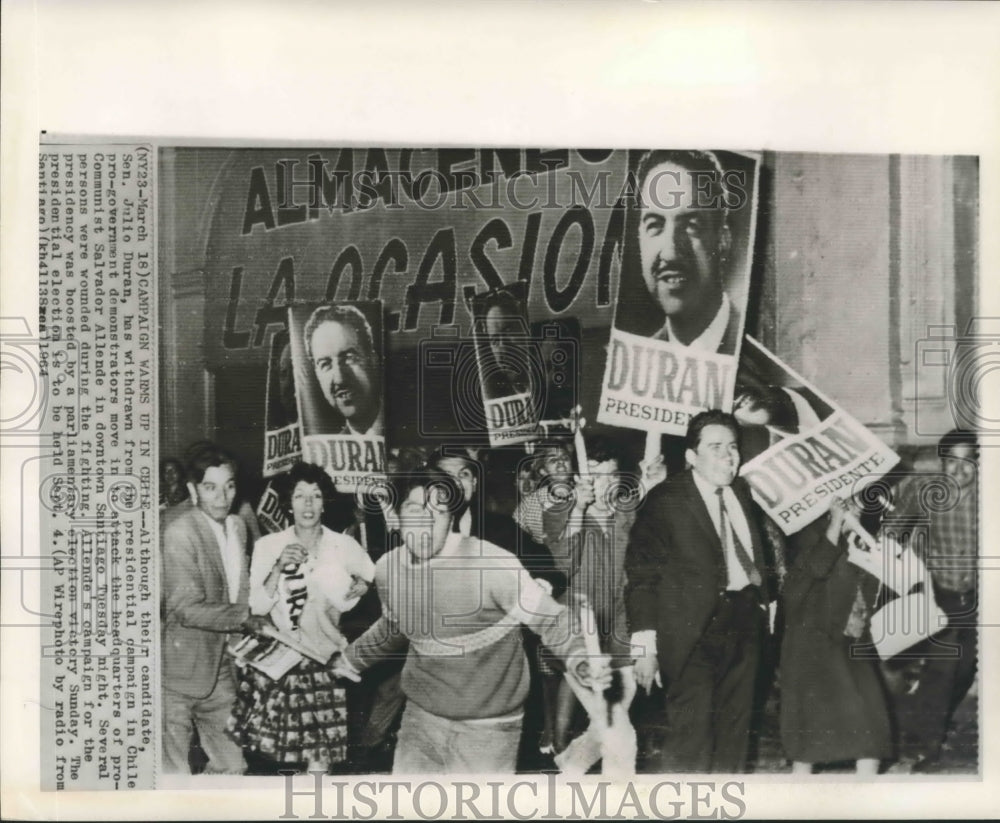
pixel 948 673
pixel 710 705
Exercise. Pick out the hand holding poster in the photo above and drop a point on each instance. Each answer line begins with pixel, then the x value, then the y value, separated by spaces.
pixel 336 350
pixel 799 448
pixel 683 291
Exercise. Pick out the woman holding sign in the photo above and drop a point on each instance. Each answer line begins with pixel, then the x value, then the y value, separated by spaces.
pixel 833 707
pixel 302 579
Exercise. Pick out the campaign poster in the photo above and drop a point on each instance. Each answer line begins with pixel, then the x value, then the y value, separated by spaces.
pixel 424 231
pixel 270 515
pixel 685 278
pixel 509 365
pixel 337 354
pixel 283 435
pixel 799 448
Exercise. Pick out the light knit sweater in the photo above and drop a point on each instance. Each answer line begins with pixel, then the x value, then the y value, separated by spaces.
pixel 460 612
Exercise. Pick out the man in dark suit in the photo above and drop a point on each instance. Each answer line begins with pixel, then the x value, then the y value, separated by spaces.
pixel 698 588
pixel 205 595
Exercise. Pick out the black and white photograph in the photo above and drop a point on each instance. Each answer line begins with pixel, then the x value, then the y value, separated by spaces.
pixel 597 425
pixel 717 574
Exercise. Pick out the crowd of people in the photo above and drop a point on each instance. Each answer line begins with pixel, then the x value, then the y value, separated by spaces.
pixel 504 610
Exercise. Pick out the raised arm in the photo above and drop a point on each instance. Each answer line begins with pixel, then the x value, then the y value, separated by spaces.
pixel 817 548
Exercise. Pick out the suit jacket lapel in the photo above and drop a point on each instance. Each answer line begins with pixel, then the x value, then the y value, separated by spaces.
pixel 211 545
pixel 746 502
pixel 244 592
pixel 704 519
pixel 756 538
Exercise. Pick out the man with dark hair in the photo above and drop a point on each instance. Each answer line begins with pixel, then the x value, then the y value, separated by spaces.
pixel 457 603
pixel 242 507
pixel 951 552
pixel 339 344
pixel 205 597
pixel 684 242
pixel 697 594
pixel 474 519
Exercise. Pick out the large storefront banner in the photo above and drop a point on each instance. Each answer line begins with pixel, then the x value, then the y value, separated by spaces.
pixel 682 297
pixel 427 232
pixel 337 354
pixel 420 229
pixel 799 448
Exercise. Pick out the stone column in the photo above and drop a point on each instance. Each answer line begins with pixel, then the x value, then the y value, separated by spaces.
pixel 860 264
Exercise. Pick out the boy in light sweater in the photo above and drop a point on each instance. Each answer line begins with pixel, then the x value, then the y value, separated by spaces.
pixel 458 602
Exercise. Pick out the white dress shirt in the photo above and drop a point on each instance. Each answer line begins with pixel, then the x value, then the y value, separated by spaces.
pixel 737 521
pixel 711 338
pixel 644 642
pixel 231 549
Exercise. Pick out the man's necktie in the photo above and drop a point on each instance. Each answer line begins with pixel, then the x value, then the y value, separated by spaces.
pixel 728 533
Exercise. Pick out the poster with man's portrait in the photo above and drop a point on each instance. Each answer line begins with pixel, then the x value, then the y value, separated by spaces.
pixel 337 356
pixel 799 448
pixel 283 435
pixel 509 365
pixel 685 277
pixel 271 517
